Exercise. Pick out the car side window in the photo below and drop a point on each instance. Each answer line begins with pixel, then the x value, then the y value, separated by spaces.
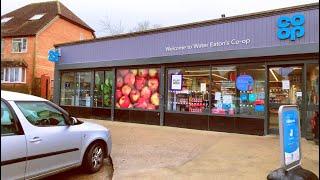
pixel 8 125
pixel 41 114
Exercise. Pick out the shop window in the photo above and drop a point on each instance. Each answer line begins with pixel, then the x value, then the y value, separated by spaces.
pixel 13 75
pixel 313 100
pixel 250 86
pixel 103 89
pixel 67 89
pixel 188 89
pixel 223 97
pixel 19 45
pixel 138 88
pixel 83 86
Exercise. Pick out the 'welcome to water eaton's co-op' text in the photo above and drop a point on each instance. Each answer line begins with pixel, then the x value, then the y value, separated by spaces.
pixel 208 45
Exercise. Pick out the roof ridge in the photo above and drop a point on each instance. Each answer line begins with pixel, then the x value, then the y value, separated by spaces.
pixel 58 6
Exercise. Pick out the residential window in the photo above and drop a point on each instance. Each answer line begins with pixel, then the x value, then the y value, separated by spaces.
pixel 19 45
pixel 36 17
pixel 6 19
pixel 13 75
pixel 2 46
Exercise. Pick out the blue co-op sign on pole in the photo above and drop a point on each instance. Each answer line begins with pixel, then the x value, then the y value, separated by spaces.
pixel 54 55
pixel 289 130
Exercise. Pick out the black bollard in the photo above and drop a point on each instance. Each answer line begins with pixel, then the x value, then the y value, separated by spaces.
pixel 297 173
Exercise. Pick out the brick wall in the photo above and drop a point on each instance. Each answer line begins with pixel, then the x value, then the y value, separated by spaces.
pixel 28 57
pixel 57 31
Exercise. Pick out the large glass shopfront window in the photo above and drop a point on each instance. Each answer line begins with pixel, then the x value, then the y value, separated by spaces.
pixel 285 87
pixel 103 83
pixel 76 89
pixel 138 88
pixel 238 90
pixel 188 89
pixel 223 92
pixel 83 86
pixel 67 89
pixel 313 100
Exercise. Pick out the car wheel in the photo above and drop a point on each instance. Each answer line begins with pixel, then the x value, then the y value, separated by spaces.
pixel 93 159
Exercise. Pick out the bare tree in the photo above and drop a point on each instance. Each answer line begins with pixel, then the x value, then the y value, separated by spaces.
pixel 143 26
pixel 112 29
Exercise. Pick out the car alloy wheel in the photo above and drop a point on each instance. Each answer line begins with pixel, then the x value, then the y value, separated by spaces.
pixel 97 157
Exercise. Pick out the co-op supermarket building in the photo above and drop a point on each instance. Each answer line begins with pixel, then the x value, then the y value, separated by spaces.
pixel 230 74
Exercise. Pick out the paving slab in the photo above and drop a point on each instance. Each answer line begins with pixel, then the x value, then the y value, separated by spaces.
pixel 159 152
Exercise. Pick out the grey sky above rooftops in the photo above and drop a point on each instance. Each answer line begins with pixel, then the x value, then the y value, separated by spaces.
pixel 162 12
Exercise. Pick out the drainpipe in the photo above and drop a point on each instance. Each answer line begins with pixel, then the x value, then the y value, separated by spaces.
pixel 34 64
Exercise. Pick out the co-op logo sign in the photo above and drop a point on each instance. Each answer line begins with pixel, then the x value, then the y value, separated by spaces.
pixel 290 27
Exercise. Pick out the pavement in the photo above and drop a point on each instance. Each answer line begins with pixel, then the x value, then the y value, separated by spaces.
pixel 160 152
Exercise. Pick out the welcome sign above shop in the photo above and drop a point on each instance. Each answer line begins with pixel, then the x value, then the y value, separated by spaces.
pixel 210 44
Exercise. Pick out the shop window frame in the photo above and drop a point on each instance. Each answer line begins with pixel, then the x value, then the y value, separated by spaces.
pixel 113 85
pixel 161 85
pixel 175 66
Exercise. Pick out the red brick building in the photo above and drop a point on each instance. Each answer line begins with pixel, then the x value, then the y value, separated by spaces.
pixel 27 34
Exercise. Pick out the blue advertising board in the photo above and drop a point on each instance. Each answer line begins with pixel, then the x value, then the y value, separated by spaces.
pixel 289 130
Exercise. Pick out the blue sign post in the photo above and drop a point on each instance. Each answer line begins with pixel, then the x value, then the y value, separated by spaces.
pixel 53 55
pixel 289 129
pixel 290 135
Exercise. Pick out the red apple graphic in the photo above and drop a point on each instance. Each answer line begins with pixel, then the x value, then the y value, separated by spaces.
pixel 118 94
pixel 151 107
pixel 124 102
pixel 142 103
pixel 134 71
pixel 119 82
pixel 143 72
pixel 153 72
pixel 145 92
pixel 140 82
pixel 129 79
pixel 118 105
pixel 126 90
pixel 123 72
pixel 153 84
pixel 134 95
pixel 155 99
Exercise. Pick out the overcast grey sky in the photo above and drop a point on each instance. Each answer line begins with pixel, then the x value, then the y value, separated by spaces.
pixel 163 12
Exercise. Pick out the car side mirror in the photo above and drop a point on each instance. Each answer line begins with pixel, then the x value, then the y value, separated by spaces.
pixel 72 120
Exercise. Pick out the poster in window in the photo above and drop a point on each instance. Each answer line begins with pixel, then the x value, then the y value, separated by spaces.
pixel 176 82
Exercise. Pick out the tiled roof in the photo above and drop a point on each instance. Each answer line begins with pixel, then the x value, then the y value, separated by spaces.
pixel 20 25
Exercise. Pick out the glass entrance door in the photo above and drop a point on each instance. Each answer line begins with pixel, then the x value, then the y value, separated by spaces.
pixel 285 88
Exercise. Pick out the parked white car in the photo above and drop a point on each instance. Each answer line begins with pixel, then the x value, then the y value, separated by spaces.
pixel 38 139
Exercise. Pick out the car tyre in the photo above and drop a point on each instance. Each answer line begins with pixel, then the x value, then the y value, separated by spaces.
pixel 93 159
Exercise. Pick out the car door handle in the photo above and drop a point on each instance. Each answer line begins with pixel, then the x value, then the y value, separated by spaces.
pixel 35 139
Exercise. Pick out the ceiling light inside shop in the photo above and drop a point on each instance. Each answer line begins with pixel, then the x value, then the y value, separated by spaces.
pixel 219 76
pixel 190 75
pixel 275 77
